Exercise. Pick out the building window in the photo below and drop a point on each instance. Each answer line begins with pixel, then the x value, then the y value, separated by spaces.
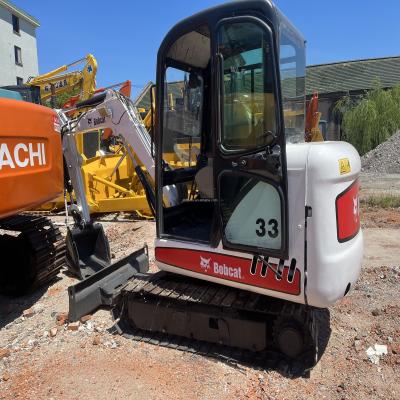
pixel 20 81
pixel 18 55
pixel 15 23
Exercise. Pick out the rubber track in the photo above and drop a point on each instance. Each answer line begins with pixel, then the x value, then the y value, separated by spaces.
pixel 46 242
pixel 164 287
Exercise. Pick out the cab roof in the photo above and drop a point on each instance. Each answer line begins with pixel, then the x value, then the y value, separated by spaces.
pixel 265 9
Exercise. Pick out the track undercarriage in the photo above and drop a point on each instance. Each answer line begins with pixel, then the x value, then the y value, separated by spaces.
pixel 216 320
pixel 33 252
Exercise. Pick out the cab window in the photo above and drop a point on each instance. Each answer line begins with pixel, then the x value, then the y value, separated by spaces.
pixel 292 72
pixel 248 104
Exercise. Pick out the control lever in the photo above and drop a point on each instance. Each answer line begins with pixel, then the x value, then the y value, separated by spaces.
pixel 268 138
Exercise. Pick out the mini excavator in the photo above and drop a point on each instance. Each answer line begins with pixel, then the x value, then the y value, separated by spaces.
pixel 258 229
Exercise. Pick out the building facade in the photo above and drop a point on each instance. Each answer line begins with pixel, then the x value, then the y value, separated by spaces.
pixel 18 48
pixel 349 78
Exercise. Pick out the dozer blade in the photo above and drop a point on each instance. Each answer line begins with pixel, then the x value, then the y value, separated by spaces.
pixel 103 288
pixel 88 250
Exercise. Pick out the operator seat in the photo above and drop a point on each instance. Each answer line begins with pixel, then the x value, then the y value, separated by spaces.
pixel 204 179
pixel 237 132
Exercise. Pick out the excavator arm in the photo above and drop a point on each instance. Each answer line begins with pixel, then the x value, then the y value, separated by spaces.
pixel 111 111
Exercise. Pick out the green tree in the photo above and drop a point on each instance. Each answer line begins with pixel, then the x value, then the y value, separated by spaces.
pixel 62 98
pixel 371 118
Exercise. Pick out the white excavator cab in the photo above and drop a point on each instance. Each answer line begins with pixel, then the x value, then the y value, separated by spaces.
pixel 259 215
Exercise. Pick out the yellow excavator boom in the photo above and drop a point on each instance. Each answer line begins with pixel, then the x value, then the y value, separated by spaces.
pixel 56 81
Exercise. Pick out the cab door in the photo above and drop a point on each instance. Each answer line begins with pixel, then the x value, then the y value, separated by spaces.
pixel 250 161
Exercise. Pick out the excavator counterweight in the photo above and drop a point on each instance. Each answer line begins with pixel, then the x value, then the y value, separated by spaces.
pixel 30 157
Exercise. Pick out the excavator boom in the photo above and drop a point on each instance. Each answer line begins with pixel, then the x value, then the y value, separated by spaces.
pixel 110 111
pixel 59 80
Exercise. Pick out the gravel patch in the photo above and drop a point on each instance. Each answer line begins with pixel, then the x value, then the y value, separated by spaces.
pixel 383 159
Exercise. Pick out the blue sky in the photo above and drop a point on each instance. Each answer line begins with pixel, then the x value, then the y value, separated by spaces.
pixel 124 35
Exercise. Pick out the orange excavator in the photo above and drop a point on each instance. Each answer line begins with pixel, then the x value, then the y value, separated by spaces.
pixel 31 173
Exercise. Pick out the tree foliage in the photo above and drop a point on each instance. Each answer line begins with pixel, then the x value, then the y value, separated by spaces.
pixel 370 119
pixel 61 98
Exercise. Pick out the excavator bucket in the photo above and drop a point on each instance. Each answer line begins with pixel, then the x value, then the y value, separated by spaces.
pixel 88 250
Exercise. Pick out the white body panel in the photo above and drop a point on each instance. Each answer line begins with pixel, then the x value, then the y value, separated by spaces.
pixel 314 180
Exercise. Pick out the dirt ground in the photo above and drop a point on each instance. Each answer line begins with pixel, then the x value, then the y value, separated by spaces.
pixel 40 362
pixel 379 184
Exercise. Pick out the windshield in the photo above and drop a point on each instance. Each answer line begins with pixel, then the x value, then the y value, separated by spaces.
pixel 293 72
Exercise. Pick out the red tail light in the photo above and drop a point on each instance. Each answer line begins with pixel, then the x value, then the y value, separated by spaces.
pixel 348 212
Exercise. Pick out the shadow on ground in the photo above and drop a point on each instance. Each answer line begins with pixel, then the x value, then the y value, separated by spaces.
pixel 269 360
pixel 11 308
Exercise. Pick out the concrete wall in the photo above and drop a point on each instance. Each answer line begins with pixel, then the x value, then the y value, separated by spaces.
pixel 26 40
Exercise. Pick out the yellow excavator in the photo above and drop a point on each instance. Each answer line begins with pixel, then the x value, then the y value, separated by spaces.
pixel 59 80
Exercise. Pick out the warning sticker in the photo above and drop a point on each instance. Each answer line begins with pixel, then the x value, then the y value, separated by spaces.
pixel 344 166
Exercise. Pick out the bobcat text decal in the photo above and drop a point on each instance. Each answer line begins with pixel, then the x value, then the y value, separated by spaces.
pixel 22 155
pixel 231 272
pixel 230 268
pixel 220 269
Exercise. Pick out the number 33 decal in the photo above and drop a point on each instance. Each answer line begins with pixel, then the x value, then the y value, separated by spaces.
pixel 272 232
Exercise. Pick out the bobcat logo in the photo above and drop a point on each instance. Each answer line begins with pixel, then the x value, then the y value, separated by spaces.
pixel 205 263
